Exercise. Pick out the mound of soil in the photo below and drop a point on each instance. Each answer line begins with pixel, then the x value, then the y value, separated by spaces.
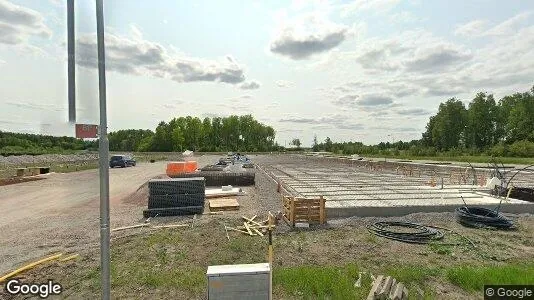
pixel 140 196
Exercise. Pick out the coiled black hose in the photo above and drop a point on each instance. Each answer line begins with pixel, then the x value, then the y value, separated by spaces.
pixel 482 217
pixel 409 232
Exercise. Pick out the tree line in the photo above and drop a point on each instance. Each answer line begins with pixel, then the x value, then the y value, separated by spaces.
pixel 25 143
pixel 232 133
pixel 485 126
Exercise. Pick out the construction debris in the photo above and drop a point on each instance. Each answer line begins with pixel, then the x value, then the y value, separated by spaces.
pixel 130 227
pixel 387 288
pixel 152 227
pixel 252 227
pixel 170 226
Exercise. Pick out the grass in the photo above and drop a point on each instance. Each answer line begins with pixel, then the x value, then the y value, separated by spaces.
pixel 322 282
pixel 440 248
pixel 473 278
pixel 463 158
pixel 172 263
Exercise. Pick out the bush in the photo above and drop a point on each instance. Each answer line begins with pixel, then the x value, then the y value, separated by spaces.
pixel 522 149
pixel 498 150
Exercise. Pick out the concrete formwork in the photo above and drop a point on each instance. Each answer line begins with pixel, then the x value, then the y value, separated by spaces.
pixel 386 189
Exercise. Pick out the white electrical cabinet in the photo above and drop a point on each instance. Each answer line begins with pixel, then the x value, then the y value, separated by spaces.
pixel 236 282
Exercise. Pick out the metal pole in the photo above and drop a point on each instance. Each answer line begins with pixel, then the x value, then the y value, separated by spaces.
pixel 103 156
pixel 71 76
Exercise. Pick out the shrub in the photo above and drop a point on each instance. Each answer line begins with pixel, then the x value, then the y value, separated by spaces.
pixel 522 148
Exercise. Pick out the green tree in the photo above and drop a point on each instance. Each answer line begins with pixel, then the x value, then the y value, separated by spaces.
pixel 482 119
pixel 315 144
pixel 328 144
pixel 448 125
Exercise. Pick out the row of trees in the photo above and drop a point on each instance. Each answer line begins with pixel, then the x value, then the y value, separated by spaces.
pixel 233 133
pixel 23 143
pixel 503 128
pixel 485 123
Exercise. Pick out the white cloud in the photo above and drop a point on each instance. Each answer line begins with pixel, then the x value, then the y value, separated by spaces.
pixel 136 32
pixel 336 121
pixel 404 17
pixel 509 26
pixel 138 56
pixel 479 27
pixel 363 6
pixel 308 35
pixel 366 100
pixel 473 28
pixel 284 84
pixel 18 23
pixel 250 85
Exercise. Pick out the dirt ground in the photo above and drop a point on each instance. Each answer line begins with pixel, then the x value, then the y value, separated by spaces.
pixel 61 215
pixel 61 212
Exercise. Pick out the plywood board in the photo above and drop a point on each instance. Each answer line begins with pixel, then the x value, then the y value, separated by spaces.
pixel 224 204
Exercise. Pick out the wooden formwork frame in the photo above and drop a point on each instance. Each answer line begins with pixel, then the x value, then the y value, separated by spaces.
pixel 301 209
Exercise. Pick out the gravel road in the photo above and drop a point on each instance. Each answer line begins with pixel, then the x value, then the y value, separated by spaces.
pixel 61 213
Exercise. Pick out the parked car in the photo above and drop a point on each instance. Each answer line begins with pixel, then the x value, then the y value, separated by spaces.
pixel 121 161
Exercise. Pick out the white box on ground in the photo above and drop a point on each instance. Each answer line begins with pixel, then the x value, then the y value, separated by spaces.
pixel 247 281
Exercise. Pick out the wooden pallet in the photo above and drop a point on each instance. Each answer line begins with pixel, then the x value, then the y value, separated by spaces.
pixel 224 204
pixel 304 210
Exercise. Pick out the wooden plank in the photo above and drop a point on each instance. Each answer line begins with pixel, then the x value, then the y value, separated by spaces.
pixel 322 211
pixel 226 230
pixel 170 226
pixel 130 227
pixel 223 204
pixel 377 284
pixel 251 221
pixel 292 213
pixel 248 228
pixel 238 230
pixel 257 231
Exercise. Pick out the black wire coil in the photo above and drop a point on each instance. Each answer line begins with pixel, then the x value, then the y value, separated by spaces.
pixel 417 234
pixel 482 217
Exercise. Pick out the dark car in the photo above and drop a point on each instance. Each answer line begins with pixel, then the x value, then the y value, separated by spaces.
pixel 121 161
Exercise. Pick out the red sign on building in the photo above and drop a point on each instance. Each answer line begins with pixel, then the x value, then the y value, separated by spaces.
pixel 86 131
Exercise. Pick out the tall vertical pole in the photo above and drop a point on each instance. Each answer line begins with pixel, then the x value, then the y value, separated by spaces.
pixel 103 156
pixel 71 75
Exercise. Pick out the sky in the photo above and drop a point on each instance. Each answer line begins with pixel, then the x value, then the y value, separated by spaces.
pixel 361 70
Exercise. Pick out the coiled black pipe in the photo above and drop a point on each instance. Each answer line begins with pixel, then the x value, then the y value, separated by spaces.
pixel 409 233
pixel 482 217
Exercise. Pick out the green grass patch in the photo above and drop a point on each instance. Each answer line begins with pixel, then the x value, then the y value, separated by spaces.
pixel 440 248
pixel 473 278
pixel 412 274
pixel 321 282
pixel 462 158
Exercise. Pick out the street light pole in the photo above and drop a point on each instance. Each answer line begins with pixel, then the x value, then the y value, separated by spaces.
pixel 71 77
pixel 103 155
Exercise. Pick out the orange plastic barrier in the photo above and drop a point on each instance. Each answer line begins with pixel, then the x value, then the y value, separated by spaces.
pixel 191 166
pixel 176 167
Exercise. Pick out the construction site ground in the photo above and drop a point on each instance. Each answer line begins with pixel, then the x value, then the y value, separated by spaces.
pixel 61 214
